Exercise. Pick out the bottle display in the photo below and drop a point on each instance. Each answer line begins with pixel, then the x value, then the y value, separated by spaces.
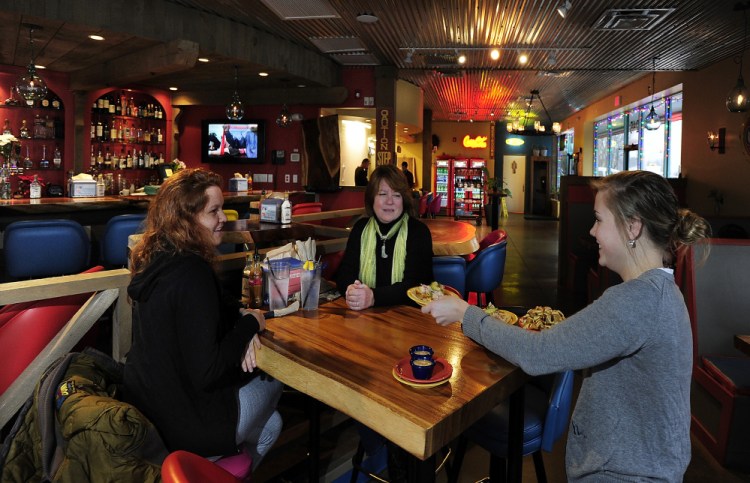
pixel 35 189
pixel 286 210
pixel 132 131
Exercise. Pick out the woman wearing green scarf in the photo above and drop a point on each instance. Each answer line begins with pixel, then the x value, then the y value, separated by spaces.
pixel 389 252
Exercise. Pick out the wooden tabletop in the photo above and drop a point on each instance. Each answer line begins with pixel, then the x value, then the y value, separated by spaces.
pixel 246 231
pixel 452 237
pixel 345 359
pixel 742 343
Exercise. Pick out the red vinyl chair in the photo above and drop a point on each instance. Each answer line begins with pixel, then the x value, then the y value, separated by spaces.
pixel 305 208
pixel 490 239
pixel 435 205
pixel 424 205
pixel 26 329
pixel 185 467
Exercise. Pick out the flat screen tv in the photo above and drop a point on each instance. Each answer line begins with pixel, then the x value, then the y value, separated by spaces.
pixel 225 141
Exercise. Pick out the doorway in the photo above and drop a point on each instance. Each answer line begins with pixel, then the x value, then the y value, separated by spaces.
pixel 514 174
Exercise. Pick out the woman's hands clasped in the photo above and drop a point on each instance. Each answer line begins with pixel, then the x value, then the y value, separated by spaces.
pixel 446 310
pixel 359 296
pixel 249 358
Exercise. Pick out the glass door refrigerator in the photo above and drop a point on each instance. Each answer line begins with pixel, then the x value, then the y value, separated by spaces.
pixel 468 188
pixel 443 175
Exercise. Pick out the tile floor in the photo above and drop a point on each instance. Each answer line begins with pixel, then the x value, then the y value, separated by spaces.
pixel 530 279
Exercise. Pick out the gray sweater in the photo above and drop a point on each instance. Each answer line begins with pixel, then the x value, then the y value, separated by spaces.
pixel 632 418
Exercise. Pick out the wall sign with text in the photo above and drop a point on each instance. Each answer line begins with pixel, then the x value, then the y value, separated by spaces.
pixel 479 142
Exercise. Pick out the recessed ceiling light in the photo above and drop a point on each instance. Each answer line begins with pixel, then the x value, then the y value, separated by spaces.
pixel 462 59
pixel 523 58
pixel 203 59
pixel 40 66
pixel 301 85
pixel 495 54
pixel 172 88
pixel 263 74
pixel 96 37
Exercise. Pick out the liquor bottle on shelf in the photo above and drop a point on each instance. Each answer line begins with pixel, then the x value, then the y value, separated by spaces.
pixel 57 158
pixel 159 137
pixel 100 160
pixel 113 132
pixel 44 163
pixel 118 105
pixel 35 189
pixel 92 162
pixel 24 131
pixel 6 127
pixel 111 105
pixel 101 187
pixel 27 162
pixel 99 129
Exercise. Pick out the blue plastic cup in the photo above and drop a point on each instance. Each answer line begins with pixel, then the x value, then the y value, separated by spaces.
pixel 422 368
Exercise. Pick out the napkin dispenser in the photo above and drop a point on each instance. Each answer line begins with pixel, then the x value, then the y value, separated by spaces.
pixel 237 184
pixel 270 210
pixel 82 188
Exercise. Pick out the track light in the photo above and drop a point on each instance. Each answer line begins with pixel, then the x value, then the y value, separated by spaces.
pixel 563 8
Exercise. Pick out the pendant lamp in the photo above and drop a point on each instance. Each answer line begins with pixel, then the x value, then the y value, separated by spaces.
pixel 284 119
pixel 235 110
pixel 30 86
pixel 737 100
pixel 652 121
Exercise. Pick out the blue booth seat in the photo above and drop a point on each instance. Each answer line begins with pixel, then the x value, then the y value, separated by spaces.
pixel 485 272
pixel 450 271
pixel 45 248
pixel 114 244
pixel 547 404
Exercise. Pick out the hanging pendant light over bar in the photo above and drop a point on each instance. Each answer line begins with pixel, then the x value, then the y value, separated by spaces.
pixel 284 118
pixel 30 86
pixel 235 110
pixel 652 121
pixel 737 100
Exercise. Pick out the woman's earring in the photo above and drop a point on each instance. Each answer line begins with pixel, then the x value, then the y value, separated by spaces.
pixel 631 243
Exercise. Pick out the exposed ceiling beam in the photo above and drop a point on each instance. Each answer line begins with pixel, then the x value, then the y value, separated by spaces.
pixel 175 56
pixel 332 96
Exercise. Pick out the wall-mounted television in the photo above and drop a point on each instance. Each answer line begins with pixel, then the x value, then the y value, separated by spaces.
pixel 225 141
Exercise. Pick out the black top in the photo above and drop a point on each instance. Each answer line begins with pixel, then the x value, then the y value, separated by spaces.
pixel 409 178
pixel 183 370
pixel 417 270
pixel 360 176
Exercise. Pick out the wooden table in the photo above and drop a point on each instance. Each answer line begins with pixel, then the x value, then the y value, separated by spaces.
pixel 742 343
pixel 344 359
pixel 452 237
pixel 246 231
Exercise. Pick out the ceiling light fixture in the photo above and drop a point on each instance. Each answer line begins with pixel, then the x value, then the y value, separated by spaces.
pixel 652 121
pixel 737 100
pixel 284 119
pixel 409 56
pixel 564 7
pixel 96 37
pixel 235 110
pixel 461 58
pixel 203 59
pixel 367 17
pixel 523 58
pixel 30 86
pixel 519 126
pixel 494 54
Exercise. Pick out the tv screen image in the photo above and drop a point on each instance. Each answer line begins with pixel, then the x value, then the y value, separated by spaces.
pixel 225 141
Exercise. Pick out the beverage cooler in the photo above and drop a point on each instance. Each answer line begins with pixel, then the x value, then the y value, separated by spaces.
pixel 442 179
pixel 468 188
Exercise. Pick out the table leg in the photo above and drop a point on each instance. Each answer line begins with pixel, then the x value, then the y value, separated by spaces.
pixel 515 436
pixel 314 442
pixel 421 471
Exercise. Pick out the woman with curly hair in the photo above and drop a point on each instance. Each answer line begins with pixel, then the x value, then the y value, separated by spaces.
pixel 192 369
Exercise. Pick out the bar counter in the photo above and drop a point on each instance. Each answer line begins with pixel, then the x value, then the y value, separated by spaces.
pixel 95 210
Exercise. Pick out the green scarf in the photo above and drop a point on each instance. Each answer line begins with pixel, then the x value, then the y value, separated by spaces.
pixel 371 236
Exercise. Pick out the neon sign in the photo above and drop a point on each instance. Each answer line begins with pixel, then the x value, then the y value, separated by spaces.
pixel 478 142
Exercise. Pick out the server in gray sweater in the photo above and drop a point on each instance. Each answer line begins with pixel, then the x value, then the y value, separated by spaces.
pixel 632 418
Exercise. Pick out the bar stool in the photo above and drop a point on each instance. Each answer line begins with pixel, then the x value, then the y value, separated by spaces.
pixel 45 248
pixel 185 467
pixel 114 244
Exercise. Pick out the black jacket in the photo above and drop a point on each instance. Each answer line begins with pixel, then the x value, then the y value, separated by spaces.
pixel 183 370
pixel 418 267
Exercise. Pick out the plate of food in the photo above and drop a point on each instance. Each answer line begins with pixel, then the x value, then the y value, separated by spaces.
pixel 424 294
pixel 540 318
pixel 504 315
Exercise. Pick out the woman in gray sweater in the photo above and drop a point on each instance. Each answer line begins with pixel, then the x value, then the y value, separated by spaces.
pixel 632 418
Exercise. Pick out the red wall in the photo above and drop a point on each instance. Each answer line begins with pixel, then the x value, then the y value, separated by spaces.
pixel 286 139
